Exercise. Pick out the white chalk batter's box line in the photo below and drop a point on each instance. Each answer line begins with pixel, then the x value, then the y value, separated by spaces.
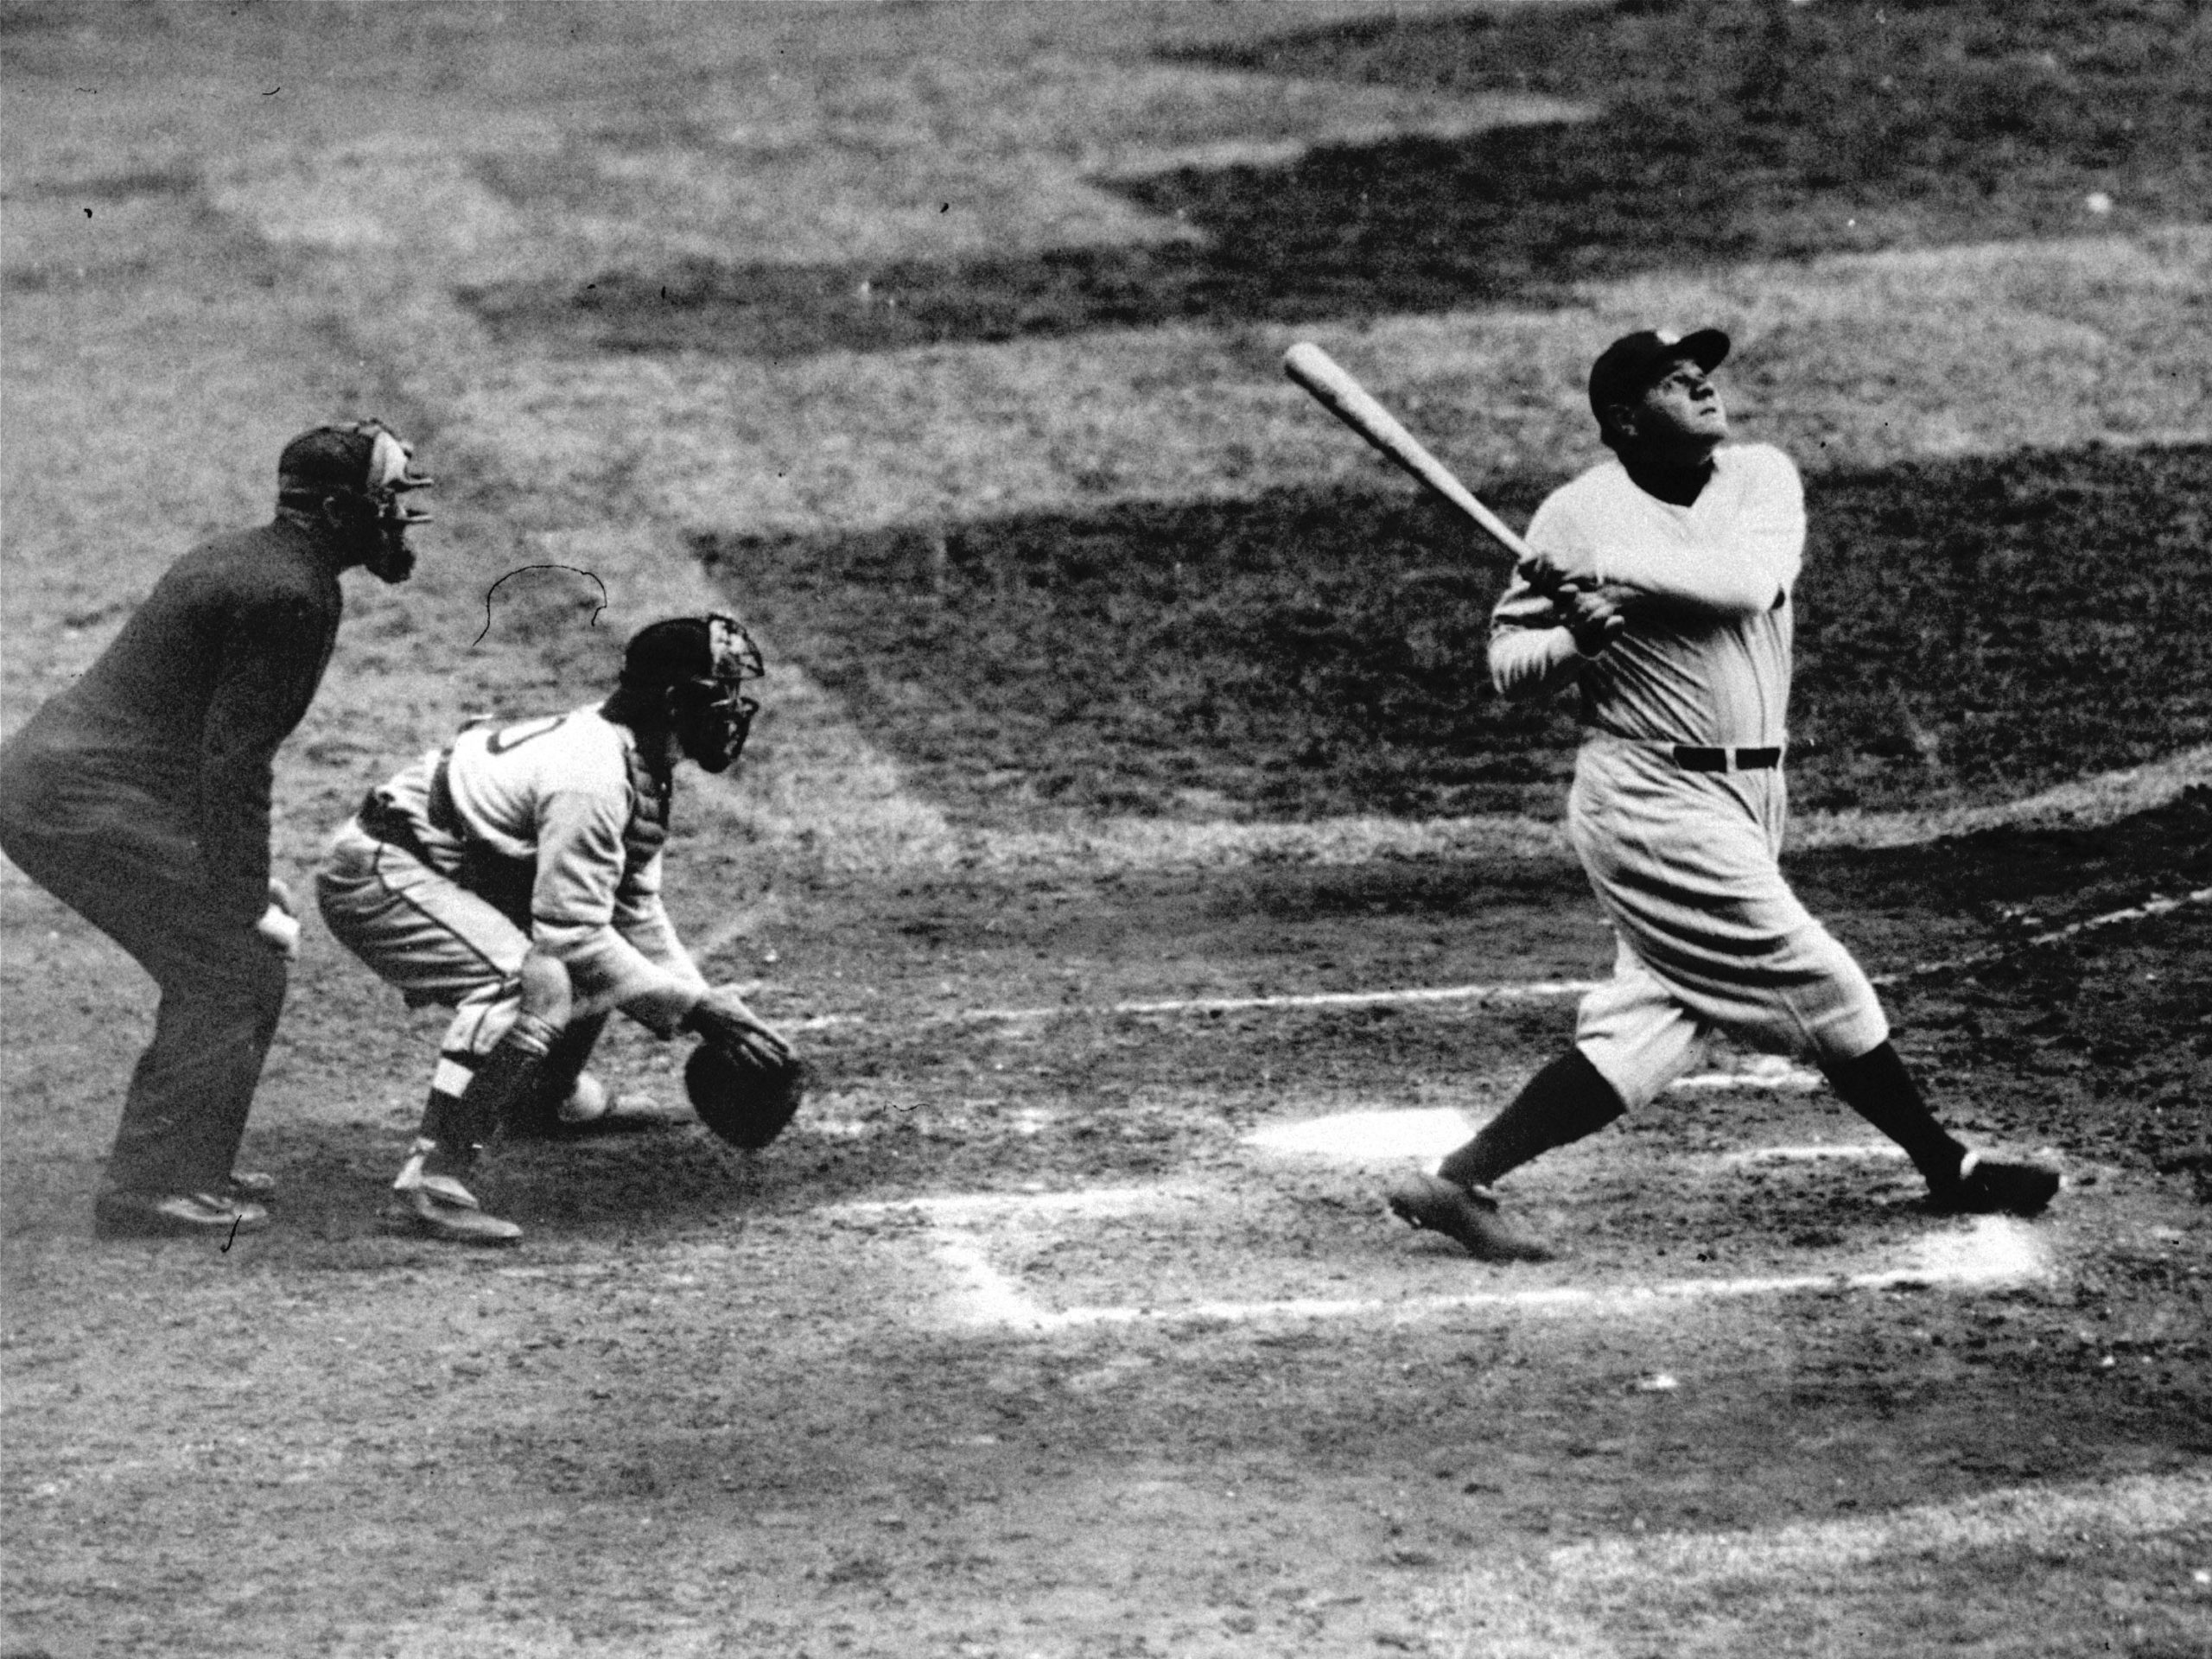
pixel 1524 991
pixel 1991 1253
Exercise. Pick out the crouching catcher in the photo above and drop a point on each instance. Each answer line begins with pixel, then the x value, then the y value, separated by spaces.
pixel 515 876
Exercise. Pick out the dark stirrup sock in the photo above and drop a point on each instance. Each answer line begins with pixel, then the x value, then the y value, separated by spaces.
pixel 1567 1100
pixel 1877 1086
pixel 465 1121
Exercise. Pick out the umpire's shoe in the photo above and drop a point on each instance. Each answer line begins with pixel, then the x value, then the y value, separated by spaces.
pixel 1990 1186
pixel 1468 1215
pixel 438 1207
pixel 118 1214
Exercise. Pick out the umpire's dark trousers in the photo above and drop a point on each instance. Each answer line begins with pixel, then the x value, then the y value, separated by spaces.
pixel 119 858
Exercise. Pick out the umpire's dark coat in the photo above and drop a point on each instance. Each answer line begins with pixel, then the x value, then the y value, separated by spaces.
pixel 140 797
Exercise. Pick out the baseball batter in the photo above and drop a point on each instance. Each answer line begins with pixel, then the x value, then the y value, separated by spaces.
pixel 1663 596
pixel 514 875
pixel 140 797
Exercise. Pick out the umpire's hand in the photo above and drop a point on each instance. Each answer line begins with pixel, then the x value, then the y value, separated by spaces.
pixel 280 924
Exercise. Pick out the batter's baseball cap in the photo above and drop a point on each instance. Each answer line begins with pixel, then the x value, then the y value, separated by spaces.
pixel 1628 367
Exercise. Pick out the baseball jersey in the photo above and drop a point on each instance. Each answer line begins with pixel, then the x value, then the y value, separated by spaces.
pixel 1709 664
pixel 566 809
pixel 181 718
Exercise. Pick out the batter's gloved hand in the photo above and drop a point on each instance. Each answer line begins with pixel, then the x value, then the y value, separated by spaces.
pixel 1594 613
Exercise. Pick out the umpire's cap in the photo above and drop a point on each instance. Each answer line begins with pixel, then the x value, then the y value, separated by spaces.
pixel 1628 367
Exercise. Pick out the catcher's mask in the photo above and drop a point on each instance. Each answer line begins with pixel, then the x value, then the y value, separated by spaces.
pixel 358 473
pixel 699 665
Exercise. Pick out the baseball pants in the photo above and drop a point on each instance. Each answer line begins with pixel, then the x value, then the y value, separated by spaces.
pixel 1710 936
pixel 437 941
pixel 120 859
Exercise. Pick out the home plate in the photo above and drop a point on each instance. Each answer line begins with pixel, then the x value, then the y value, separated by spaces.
pixel 1378 1137
pixel 1390 1136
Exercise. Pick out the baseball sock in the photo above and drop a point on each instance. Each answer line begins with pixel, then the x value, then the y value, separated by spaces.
pixel 1567 1100
pixel 1877 1086
pixel 460 1120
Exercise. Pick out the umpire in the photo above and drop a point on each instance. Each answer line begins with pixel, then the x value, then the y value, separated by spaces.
pixel 140 797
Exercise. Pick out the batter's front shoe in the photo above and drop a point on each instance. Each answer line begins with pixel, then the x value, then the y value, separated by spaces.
pixel 1467 1215
pixel 175 1215
pixel 438 1207
pixel 1991 1186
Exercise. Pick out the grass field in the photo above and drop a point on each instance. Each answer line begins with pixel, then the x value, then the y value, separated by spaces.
pixel 1129 835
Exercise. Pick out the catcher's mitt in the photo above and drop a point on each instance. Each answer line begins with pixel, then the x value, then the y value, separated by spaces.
pixel 742 1091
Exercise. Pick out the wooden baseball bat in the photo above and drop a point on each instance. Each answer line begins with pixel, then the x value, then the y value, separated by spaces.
pixel 1346 399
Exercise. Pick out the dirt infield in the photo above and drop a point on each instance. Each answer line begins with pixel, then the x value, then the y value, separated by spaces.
pixel 1126 838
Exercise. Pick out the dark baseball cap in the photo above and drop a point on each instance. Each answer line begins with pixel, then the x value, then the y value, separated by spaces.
pixel 1628 367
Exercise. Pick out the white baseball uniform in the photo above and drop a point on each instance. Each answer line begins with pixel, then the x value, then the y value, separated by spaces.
pixel 1683 860
pixel 545 832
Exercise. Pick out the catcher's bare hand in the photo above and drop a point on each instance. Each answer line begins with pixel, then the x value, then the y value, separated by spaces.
pixel 722 1017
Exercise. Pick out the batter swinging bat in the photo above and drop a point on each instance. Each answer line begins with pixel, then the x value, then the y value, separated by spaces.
pixel 1346 399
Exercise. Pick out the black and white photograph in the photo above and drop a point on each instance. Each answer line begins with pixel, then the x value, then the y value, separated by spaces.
pixel 1105 829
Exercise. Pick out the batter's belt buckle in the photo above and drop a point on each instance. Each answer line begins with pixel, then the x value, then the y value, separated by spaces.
pixel 1692 757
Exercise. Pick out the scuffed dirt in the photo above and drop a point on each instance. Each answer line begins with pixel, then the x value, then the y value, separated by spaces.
pixel 721 1404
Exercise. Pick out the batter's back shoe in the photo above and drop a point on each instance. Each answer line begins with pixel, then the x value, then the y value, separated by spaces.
pixel 1991 1186
pixel 253 1184
pixel 1467 1215
pixel 438 1207
pixel 175 1215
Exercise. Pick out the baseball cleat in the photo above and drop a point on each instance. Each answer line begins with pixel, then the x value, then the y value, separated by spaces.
pixel 1467 1215
pixel 438 1207
pixel 1991 1186
pixel 251 1184
pixel 588 1109
pixel 175 1215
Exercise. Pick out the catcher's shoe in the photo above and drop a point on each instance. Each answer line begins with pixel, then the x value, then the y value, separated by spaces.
pixel 1991 1186
pixel 438 1207
pixel 1468 1215
pixel 175 1215
pixel 587 1109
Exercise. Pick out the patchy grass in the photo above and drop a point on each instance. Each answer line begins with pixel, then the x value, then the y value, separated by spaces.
pixel 1973 628
pixel 1967 629
pixel 1729 130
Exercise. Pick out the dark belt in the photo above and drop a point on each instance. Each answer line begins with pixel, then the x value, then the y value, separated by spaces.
pixel 1692 758
pixel 382 820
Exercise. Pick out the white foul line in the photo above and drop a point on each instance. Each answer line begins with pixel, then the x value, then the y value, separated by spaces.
pixel 1526 991
pixel 2153 906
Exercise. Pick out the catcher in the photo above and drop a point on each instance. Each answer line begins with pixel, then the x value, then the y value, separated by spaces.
pixel 514 875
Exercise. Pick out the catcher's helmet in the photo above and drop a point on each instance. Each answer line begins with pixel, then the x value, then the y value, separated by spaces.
pixel 364 472
pixel 698 666
pixel 742 1096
